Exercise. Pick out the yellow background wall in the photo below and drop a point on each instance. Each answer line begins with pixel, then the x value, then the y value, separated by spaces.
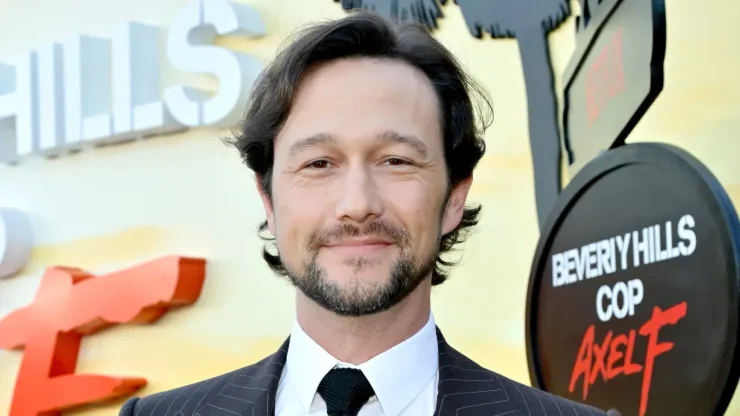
pixel 187 194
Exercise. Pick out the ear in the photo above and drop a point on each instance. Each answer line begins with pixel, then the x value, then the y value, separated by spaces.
pixel 267 203
pixel 456 205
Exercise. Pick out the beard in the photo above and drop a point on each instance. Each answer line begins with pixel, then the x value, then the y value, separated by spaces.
pixel 360 298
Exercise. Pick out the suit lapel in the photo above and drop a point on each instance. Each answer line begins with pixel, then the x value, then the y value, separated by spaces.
pixel 463 384
pixel 249 391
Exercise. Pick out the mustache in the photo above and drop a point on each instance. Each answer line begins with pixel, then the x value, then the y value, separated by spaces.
pixel 376 228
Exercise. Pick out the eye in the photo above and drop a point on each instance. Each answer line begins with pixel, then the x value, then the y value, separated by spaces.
pixel 319 164
pixel 394 161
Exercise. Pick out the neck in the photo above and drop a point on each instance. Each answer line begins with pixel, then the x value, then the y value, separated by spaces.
pixel 355 340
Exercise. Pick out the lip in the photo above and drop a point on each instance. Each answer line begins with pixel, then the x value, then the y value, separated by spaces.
pixel 357 246
pixel 360 242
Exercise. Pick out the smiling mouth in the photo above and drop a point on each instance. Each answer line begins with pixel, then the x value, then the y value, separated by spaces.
pixel 359 246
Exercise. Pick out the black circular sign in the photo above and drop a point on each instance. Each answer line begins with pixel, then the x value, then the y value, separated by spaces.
pixel 633 300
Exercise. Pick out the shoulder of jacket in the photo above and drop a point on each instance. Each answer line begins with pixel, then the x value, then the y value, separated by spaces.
pixel 578 408
pixel 561 402
pixel 180 401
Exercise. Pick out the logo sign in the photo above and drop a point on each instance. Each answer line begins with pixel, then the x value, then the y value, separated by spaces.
pixel 15 241
pixel 72 303
pixel 92 91
pixel 615 74
pixel 634 291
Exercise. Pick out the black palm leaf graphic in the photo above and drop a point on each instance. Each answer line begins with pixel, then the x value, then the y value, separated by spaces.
pixel 423 11
pixel 530 22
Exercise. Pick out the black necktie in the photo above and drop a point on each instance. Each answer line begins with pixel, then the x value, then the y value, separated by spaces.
pixel 345 391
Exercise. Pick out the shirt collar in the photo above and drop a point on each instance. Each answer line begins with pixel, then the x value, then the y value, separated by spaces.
pixel 397 375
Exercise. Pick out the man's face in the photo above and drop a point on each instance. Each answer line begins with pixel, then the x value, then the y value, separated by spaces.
pixel 359 188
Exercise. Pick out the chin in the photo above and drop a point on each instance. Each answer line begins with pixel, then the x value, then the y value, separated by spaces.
pixel 370 271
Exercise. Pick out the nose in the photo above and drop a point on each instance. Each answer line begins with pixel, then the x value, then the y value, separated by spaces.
pixel 359 199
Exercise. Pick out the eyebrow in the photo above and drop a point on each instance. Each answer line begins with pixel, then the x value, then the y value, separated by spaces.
pixel 386 136
pixel 309 142
pixel 415 142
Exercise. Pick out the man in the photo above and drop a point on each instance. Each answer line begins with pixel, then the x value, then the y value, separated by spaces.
pixel 363 140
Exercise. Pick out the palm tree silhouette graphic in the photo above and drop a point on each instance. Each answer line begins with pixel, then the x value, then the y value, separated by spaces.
pixel 529 22
pixel 424 11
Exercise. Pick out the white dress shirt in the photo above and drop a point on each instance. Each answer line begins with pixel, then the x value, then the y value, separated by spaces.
pixel 404 378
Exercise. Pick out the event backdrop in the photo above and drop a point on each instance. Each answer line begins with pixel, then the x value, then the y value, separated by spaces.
pixel 113 207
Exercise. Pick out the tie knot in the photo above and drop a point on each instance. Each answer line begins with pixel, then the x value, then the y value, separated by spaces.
pixel 345 391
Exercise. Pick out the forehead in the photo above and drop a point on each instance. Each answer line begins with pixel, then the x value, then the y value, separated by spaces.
pixel 356 100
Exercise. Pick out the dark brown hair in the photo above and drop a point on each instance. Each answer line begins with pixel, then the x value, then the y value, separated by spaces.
pixel 363 34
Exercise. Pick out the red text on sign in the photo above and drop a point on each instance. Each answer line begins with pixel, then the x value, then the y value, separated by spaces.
pixel 614 356
pixel 605 77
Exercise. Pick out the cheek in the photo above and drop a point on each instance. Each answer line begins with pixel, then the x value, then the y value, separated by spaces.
pixel 298 215
pixel 418 208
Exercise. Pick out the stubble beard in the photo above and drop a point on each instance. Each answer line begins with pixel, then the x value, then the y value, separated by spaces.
pixel 357 297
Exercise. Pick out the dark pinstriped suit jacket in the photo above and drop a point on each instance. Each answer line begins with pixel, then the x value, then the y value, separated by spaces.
pixel 465 389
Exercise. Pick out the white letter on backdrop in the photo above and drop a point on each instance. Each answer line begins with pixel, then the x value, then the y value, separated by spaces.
pixel 199 23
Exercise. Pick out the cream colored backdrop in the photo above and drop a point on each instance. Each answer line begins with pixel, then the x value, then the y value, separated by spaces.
pixel 187 194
